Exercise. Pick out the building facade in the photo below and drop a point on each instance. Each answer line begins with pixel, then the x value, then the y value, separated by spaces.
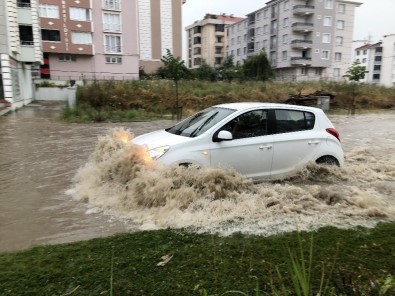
pixel 107 39
pixel 207 40
pixel 379 60
pixel 304 40
pixel 20 48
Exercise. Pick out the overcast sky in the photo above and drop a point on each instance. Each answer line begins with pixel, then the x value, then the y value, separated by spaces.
pixel 374 17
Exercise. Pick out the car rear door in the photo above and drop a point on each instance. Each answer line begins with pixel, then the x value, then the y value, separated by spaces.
pixel 250 152
pixel 295 141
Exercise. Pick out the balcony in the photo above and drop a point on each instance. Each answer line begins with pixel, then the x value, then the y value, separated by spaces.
pixel 302 44
pixel 303 9
pixel 27 52
pixel 301 61
pixel 219 44
pixel 218 55
pixel 302 27
pixel 219 33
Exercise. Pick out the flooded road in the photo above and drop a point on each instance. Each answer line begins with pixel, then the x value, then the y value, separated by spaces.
pixel 55 185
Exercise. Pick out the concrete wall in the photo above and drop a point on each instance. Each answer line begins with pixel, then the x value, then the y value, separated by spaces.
pixel 53 93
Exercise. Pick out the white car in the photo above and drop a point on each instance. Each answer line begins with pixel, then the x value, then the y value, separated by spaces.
pixel 259 140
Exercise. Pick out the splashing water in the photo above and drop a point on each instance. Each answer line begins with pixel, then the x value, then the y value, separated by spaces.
pixel 120 178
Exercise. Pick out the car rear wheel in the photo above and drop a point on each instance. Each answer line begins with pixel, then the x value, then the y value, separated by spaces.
pixel 328 160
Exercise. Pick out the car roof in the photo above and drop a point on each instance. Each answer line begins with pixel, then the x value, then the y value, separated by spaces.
pixel 248 105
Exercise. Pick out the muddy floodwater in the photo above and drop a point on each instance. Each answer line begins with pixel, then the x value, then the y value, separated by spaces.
pixel 63 182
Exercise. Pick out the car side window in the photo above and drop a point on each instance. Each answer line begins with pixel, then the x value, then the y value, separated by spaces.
pixel 247 125
pixel 293 121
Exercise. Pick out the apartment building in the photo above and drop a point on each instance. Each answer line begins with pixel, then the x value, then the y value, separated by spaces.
pixel 107 39
pixel 303 39
pixel 20 48
pixel 206 40
pixel 379 60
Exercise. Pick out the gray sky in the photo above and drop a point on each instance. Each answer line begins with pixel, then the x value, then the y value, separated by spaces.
pixel 374 17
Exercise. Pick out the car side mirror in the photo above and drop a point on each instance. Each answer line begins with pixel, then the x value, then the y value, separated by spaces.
pixel 224 136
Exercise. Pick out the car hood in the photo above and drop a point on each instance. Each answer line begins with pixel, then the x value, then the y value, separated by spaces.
pixel 159 138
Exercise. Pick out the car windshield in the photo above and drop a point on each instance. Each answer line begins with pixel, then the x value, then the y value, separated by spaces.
pixel 200 122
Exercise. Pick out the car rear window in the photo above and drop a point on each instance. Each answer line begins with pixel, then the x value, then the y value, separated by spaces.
pixel 293 121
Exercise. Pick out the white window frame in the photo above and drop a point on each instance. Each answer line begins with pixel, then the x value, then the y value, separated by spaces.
pixel 48 11
pixel 113 60
pixel 341 8
pixel 327 21
pixel 81 37
pixel 338 56
pixel 112 48
pixel 325 54
pixel 286 5
pixel 285 38
pixel 285 22
pixel 339 40
pixel 326 38
pixel 80 14
pixel 111 4
pixel 67 58
pixel 284 55
pixel 108 22
pixel 336 72
pixel 340 24
pixel 328 4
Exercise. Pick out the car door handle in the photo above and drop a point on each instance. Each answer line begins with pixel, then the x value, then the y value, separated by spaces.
pixel 261 147
pixel 313 142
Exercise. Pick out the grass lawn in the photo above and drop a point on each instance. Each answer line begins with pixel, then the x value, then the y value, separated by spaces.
pixel 351 262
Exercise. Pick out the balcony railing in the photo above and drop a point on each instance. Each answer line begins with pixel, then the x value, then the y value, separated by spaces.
pixel 27 43
pixel 300 26
pixel 303 9
pixel 301 43
pixel 300 60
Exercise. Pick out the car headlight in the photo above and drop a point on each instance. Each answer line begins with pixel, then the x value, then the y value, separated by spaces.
pixel 155 153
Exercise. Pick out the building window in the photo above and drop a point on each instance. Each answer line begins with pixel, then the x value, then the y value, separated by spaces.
pixel 285 22
pixel 286 5
pixel 327 21
pixel 244 50
pixel 328 4
pixel 81 37
pixel 304 71
pixel 266 13
pixel 340 25
pixel 336 72
pixel 377 67
pixel 258 16
pixel 325 55
pixel 284 55
pixel 376 76
pixel 80 14
pixel 197 40
pixel 365 51
pixel 238 39
pixel 341 8
pixel 285 38
pixel 358 52
pixel 112 43
pixel 338 56
pixel 245 37
pixel 326 38
pixel 232 41
pixel 112 4
pixel 364 60
pixel 67 58
pixel 48 11
pixel 50 35
pixel 258 46
pixel 339 40
pixel 112 22
pixel 377 58
pixel 318 71
pixel 113 60
pixel 238 52
pixel 265 29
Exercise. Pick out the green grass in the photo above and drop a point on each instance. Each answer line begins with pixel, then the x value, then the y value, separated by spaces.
pixel 361 261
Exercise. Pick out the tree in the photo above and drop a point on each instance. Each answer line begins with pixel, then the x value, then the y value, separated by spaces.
pixel 228 69
pixel 355 73
pixel 174 69
pixel 206 72
pixel 258 67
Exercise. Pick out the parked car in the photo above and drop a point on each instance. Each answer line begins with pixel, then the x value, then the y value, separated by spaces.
pixel 259 140
pixel 310 99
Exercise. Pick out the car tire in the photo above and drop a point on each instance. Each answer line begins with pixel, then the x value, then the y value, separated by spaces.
pixel 327 160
